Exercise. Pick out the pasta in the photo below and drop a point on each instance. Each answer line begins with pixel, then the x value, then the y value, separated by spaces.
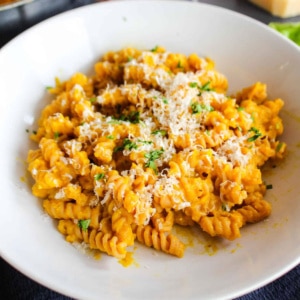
pixel 149 141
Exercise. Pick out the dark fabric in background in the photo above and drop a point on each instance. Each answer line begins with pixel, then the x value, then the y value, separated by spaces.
pixel 14 285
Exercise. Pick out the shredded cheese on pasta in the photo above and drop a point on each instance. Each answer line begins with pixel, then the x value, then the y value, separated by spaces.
pixel 149 141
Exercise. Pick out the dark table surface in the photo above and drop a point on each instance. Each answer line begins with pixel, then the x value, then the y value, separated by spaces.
pixel 14 285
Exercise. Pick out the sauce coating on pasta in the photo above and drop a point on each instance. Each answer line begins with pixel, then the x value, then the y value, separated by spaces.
pixel 151 140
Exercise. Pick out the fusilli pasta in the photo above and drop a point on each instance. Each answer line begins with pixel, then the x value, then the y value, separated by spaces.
pixel 150 141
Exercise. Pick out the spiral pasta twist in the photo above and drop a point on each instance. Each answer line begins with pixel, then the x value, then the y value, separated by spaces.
pixel 225 225
pixel 105 242
pixel 167 243
pixel 67 210
pixel 255 211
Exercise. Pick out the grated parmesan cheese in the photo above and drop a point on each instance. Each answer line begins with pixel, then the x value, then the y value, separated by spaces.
pixel 231 151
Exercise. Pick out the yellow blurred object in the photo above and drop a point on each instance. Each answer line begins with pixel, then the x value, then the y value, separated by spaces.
pixel 6 1
pixel 280 8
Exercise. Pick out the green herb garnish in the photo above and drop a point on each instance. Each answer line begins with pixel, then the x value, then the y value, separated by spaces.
pixel 207 132
pixel 152 156
pixel 133 117
pixel 159 131
pixel 99 176
pixel 145 142
pixel 225 207
pixel 269 186
pixel 165 100
pixel 127 145
pixel 114 121
pixel 206 87
pixel 84 224
pixel 193 84
pixel 56 135
pixel 197 108
pixel 154 49
pixel 256 135
pixel 278 147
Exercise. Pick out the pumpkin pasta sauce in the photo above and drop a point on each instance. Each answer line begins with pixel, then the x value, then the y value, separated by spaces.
pixel 151 141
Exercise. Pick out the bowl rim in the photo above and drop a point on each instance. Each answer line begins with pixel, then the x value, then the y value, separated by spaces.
pixel 271 278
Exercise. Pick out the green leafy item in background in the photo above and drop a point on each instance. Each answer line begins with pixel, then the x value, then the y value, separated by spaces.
pixel 290 30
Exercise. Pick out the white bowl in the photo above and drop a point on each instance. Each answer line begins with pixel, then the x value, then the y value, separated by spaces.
pixel 244 50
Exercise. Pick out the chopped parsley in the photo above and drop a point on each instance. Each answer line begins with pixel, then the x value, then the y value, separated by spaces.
pixel 99 176
pixel 207 132
pixel 165 100
pixel 204 88
pixel 84 224
pixel 179 65
pixel 127 145
pixel 145 142
pixel 152 156
pixel 154 49
pixel 198 107
pixel 193 84
pixel 269 186
pixel 110 137
pixel 93 99
pixel 159 131
pixel 133 117
pixel 56 135
pixel 256 135
pixel 33 131
pixel 240 108
pixel 278 147
pixel 225 207
pixel 114 121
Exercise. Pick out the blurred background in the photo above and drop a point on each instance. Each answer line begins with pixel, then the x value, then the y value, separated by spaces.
pixel 18 15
